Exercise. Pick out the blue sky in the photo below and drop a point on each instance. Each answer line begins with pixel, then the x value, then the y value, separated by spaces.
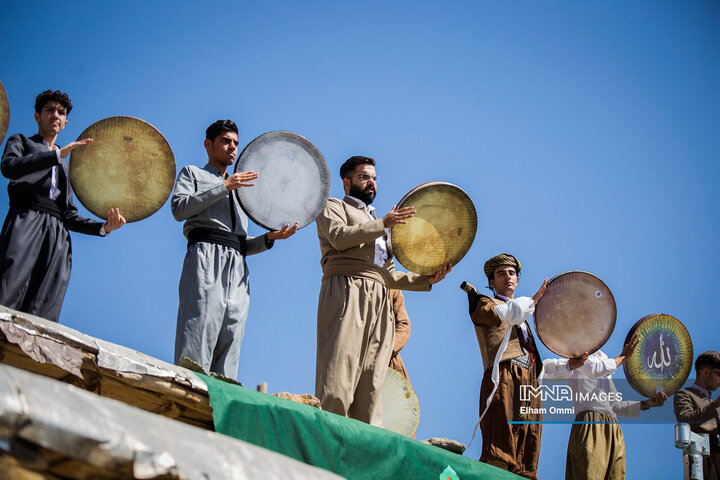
pixel 584 132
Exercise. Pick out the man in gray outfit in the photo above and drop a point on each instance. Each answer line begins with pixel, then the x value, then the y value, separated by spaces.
pixel 214 293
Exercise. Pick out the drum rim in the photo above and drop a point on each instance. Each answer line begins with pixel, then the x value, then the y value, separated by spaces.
pixel 316 150
pixel 434 183
pixel 614 323
pixel 431 183
pixel 631 332
pixel 5 102
pixel 414 396
pixel 172 154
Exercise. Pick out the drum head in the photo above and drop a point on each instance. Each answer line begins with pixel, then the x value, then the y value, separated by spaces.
pixel 4 113
pixel 442 230
pixel 129 165
pixel 576 314
pixel 401 409
pixel 294 181
pixel 663 357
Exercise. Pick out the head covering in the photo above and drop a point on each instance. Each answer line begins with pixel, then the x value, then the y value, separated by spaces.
pixel 500 261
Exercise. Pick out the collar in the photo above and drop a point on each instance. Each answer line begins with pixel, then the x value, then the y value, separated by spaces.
pixel 359 204
pixel 705 391
pixel 212 169
pixel 503 297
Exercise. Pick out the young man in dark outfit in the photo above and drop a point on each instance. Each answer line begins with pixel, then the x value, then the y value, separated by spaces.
pixel 35 250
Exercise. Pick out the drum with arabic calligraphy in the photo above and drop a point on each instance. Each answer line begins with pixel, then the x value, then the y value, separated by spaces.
pixel 663 357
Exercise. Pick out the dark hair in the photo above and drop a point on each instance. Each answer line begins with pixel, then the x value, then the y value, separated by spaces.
pixel 353 162
pixel 53 96
pixel 707 359
pixel 218 127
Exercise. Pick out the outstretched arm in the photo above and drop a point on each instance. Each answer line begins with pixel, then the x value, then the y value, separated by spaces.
pixel 332 224
pixel 188 200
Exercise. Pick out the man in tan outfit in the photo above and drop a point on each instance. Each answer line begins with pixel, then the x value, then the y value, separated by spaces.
pixel 355 319
pixel 510 359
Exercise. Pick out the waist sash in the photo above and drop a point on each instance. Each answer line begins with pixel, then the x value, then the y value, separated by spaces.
pixel 36 202
pixel 218 237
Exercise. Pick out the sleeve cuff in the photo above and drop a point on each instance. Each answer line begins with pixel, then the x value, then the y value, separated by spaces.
pixel 268 243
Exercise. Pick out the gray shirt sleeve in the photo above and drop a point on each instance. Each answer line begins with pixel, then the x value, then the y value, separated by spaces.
pixel 188 201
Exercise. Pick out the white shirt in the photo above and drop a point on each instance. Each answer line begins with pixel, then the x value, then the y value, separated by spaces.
pixel 54 190
pixel 381 250
pixel 592 381
pixel 515 312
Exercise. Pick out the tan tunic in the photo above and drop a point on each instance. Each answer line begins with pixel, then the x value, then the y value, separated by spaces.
pixel 402 331
pixel 355 320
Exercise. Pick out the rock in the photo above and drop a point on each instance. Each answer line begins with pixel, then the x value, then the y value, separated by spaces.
pixel 305 398
pixel 447 444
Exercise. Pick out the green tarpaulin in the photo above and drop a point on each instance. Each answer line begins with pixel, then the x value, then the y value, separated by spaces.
pixel 345 446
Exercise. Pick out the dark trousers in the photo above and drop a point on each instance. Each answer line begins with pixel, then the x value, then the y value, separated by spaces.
pixel 35 259
pixel 512 447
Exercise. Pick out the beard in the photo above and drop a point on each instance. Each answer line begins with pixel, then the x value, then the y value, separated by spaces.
pixel 366 196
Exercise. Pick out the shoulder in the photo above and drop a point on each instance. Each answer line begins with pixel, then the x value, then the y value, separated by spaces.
pixel 490 300
pixel 683 395
pixel 334 205
pixel 190 171
pixel 20 138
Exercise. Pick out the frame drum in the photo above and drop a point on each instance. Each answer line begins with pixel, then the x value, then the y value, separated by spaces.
pixel 294 181
pixel 401 409
pixel 442 230
pixel 663 357
pixel 576 314
pixel 4 113
pixel 129 165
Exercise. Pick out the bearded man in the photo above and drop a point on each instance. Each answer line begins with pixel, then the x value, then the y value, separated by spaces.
pixel 355 318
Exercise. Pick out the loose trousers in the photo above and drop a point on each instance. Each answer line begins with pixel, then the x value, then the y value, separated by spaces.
pixel 35 261
pixel 595 451
pixel 214 299
pixel 513 447
pixel 355 335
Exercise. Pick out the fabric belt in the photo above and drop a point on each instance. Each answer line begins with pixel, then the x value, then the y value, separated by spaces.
pixel 39 203
pixel 218 237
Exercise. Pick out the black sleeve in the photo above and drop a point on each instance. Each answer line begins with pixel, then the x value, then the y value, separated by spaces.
pixel 15 163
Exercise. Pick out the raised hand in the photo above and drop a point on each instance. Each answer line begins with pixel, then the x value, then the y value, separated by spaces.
pixel 440 274
pixel 538 295
pixel 240 179
pixel 578 362
pixel 114 220
pixel 285 232
pixel 65 151
pixel 398 217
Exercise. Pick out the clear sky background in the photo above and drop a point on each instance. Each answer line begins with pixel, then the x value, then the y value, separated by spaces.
pixel 586 134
